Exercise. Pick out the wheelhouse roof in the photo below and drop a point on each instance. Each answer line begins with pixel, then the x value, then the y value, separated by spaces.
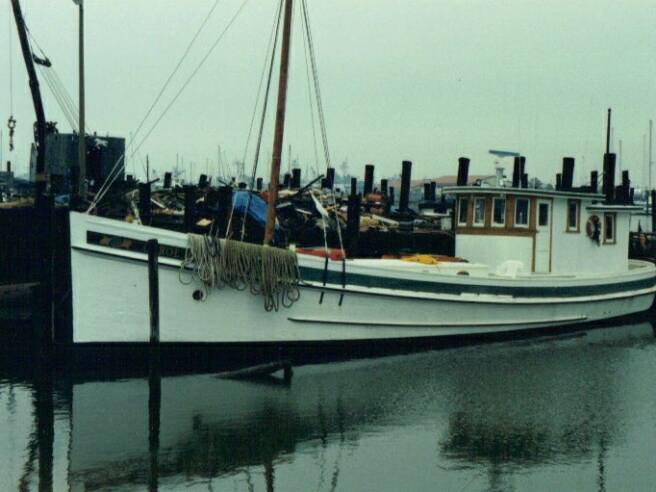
pixel 500 190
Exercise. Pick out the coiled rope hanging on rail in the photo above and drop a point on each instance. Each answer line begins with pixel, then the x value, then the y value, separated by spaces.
pixel 266 271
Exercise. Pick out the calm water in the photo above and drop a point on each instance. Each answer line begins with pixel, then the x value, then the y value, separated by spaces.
pixel 577 412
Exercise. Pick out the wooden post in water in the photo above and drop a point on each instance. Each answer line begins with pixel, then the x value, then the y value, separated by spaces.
pixel 153 289
pixel 280 125
pixel 144 203
pixel 189 207
pixel 353 225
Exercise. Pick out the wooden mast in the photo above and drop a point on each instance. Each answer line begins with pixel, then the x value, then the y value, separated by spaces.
pixel 280 125
pixel 40 131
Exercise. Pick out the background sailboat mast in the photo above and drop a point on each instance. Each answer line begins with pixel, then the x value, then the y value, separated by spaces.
pixel 280 125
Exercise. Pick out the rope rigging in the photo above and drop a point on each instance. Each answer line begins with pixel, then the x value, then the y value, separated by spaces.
pixel 266 271
pixel 120 162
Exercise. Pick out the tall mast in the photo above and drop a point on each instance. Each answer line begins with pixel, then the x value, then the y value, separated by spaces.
pixel 82 146
pixel 280 125
pixel 40 132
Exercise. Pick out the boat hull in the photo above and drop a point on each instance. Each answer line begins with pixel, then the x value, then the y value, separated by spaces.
pixel 111 303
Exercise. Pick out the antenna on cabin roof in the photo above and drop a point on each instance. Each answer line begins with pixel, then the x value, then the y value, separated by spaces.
pixel 608 133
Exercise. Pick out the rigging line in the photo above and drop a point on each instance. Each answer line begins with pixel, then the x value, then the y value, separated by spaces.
pixel 265 104
pixel 317 89
pixel 309 86
pixel 322 122
pixel 158 97
pixel 99 196
pixel 58 98
pixel 175 70
pixel 274 29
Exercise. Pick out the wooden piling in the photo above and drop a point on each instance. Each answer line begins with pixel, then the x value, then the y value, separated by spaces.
pixel 153 289
pixel 463 171
pixel 189 208
pixel 427 192
pixel 296 178
pixel 168 177
pixel 353 225
pixel 406 174
pixel 383 187
pixel 258 184
pixel 354 186
pixel 368 179
pixel 144 203
pixel 224 206
pixel 330 178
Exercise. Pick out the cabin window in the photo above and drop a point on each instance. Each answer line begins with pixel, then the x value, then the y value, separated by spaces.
pixel 479 211
pixel 543 214
pixel 463 206
pixel 499 211
pixel 573 215
pixel 521 212
pixel 609 228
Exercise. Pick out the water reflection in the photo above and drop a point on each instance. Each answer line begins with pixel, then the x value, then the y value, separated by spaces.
pixel 487 416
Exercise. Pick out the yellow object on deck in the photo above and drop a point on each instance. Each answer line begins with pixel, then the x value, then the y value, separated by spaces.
pixel 430 259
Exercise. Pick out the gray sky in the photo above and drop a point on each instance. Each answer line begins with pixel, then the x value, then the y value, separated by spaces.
pixel 422 80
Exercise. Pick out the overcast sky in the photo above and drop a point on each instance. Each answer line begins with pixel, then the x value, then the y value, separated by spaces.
pixel 425 80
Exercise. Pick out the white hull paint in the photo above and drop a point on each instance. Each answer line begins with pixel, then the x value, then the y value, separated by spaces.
pixel 110 299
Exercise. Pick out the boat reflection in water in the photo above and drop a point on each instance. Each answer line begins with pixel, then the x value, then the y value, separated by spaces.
pixel 512 415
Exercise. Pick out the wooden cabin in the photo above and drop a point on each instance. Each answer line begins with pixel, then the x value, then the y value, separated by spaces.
pixel 547 231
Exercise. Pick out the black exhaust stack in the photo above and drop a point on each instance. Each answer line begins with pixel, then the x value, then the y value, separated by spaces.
pixel 568 173
pixel 608 187
pixel 463 171
pixel 594 181
pixel 516 172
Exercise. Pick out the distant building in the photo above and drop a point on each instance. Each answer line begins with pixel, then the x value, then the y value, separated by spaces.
pixel 62 155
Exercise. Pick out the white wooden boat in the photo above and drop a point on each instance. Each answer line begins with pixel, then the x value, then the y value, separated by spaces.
pixel 531 267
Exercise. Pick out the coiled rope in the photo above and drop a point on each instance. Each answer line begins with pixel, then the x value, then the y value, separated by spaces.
pixel 266 271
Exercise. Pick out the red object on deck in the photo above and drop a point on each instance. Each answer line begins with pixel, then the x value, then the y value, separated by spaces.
pixel 332 253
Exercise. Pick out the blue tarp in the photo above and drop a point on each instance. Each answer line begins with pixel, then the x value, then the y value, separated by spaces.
pixel 257 209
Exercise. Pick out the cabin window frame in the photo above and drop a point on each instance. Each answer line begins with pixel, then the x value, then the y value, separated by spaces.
pixel 461 200
pixel 475 201
pixel 493 222
pixel 613 239
pixel 568 227
pixel 528 213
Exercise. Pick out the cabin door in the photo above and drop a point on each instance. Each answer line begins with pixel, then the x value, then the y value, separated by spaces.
pixel 543 236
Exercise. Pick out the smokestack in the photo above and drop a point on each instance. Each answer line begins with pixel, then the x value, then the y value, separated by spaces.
pixel 404 198
pixel 296 178
pixel 522 166
pixel 167 180
pixel 383 186
pixel 524 180
pixel 463 171
pixel 608 187
pixel 594 181
pixel 516 172
pixel 368 179
pixel 427 192
pixel 568 173
pixel 626 187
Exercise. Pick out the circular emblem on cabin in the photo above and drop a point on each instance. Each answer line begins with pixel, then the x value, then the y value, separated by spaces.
pixel 593 228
